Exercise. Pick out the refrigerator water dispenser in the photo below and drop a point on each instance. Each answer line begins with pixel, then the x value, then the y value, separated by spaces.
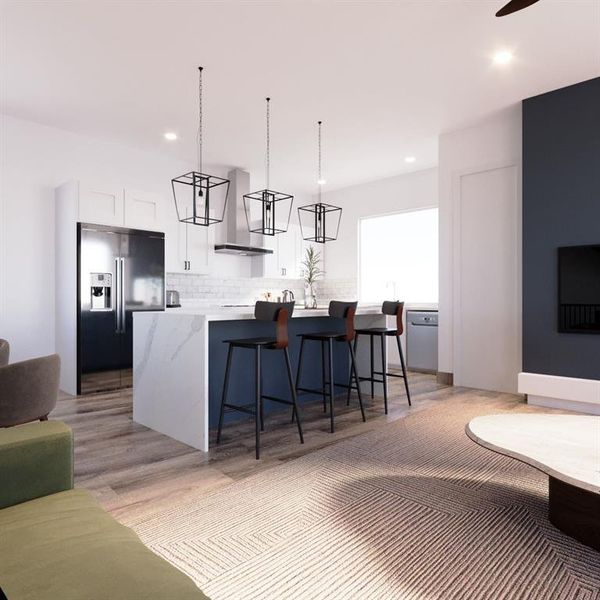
pixel 100 291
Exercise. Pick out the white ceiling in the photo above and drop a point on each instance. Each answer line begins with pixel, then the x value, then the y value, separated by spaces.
pixel 385 77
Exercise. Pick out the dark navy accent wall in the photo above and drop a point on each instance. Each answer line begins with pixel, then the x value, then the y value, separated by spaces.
pixel 561 207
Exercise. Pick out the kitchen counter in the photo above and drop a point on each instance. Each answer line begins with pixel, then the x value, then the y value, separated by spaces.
pixel 232 313
pixel 228 313
pixel 179 363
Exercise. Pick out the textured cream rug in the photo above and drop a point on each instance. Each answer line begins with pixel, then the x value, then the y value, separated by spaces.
pixel 413 510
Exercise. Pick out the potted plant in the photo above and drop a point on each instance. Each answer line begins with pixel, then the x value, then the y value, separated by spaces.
pixel 312 273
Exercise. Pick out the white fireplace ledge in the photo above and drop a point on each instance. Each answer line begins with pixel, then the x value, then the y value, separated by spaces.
pixel 567 393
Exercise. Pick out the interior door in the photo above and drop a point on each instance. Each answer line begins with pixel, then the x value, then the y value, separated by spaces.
pixel 100 343
pixel 488 288
pixel 143 264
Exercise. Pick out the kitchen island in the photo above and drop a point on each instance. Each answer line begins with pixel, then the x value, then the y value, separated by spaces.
pixel 179 364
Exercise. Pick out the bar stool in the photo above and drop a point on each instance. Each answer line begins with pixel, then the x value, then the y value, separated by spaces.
pixel 344 311
pixel 263 311
pixel 391 309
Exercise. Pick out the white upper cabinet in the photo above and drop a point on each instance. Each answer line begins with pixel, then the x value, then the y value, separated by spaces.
pixel 100 204
pixel 290 252
pixel 114 205
pixel 142 210
pixel 270 262
pixel 287 256
pixel 195 248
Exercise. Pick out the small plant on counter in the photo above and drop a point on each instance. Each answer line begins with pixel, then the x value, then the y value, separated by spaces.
pixel 312 273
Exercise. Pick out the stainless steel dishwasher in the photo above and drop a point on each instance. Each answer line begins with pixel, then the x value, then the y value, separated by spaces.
pixel 422 340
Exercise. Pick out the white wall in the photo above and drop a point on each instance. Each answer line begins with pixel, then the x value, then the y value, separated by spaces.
pixel 35 160
pixel 384 196
pixel 484 156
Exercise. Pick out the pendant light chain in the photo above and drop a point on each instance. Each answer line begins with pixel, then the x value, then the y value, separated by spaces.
pixel 268 157
pixel 199 133
pixel 320 175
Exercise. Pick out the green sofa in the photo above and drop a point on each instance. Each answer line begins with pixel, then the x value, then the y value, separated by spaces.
pixel 57 542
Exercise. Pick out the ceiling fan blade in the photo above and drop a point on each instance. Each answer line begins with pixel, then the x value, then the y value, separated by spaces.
pixel 514 6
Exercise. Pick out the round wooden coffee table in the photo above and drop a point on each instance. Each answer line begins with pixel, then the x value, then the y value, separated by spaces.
pixel 567 449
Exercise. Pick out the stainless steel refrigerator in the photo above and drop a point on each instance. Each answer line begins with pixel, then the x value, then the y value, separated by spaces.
pixel 120 271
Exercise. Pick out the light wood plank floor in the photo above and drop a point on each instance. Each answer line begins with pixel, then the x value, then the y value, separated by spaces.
pixel 133 470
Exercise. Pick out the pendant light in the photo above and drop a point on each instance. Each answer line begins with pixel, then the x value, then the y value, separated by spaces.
pixel 200 199
pixel 319 222
pixel 267 211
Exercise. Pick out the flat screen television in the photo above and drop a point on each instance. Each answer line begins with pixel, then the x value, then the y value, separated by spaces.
pixel 579 289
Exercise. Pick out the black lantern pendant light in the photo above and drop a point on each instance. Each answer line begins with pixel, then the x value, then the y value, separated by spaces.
pixel 268 212
pixel 320 222
pixel 200 199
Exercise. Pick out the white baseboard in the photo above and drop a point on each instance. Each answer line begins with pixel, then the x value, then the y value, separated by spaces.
pixel 566 393
pixel 583 407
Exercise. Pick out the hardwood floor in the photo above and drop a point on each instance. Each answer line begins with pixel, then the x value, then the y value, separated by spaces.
pixel 134 471
pixel 102 381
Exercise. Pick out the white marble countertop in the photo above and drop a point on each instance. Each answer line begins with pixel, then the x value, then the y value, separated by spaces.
pixel 173 364
pixel 235 313
pixel 567 447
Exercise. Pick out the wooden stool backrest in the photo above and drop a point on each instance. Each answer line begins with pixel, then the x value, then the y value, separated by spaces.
pixel 279 312
pixel 394 309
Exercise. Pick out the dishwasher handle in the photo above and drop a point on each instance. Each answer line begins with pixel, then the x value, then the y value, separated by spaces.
pixel 423 319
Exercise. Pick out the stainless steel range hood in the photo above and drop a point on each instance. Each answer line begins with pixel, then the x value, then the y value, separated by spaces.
pixel 228 248
pixel 239 239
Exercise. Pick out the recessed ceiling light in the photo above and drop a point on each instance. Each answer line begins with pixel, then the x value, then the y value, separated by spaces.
pixel 410 159
pixel 170 136
pixel 503 57
pixel 321 181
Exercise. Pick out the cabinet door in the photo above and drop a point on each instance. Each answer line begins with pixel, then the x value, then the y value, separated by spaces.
pixel 195 248
pixel 142 210
pixel 290 253
pixel 200 248
pixel 270 262
pixel 100 204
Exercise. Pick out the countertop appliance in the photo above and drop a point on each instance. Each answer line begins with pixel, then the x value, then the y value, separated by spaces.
pixel 173 299
pixel 422 340
pixel 120 271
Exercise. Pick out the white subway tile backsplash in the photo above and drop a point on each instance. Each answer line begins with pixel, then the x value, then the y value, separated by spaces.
pixel 238 290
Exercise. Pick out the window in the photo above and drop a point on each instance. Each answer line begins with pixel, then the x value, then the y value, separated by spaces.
pixel 399 257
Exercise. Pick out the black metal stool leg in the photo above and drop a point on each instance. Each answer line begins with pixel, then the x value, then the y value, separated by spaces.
pixel 293 390
pixel 225 389
pixel 372 368
pixel 331 384
pixel 403 369
pixel 384 371
pixel 258 403
pixel 262 404
pixel 354 368
pixel 298 371
pixel 323 377
pixel 350 375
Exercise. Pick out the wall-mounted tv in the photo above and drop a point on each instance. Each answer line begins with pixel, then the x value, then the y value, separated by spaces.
pixel 579 289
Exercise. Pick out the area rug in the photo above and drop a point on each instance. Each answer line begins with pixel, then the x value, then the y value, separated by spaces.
pixel 413 510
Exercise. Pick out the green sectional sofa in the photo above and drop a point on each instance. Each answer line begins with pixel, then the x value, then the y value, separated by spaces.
pixel 57 542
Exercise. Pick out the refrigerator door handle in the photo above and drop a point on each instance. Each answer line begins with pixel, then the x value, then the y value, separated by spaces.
pixel 117 296
pixel 122 291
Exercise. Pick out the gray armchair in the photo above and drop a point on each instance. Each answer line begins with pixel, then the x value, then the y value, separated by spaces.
pixel 4 352
pixel 28 390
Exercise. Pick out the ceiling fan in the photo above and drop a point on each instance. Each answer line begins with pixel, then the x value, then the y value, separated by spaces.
pixel 514 6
